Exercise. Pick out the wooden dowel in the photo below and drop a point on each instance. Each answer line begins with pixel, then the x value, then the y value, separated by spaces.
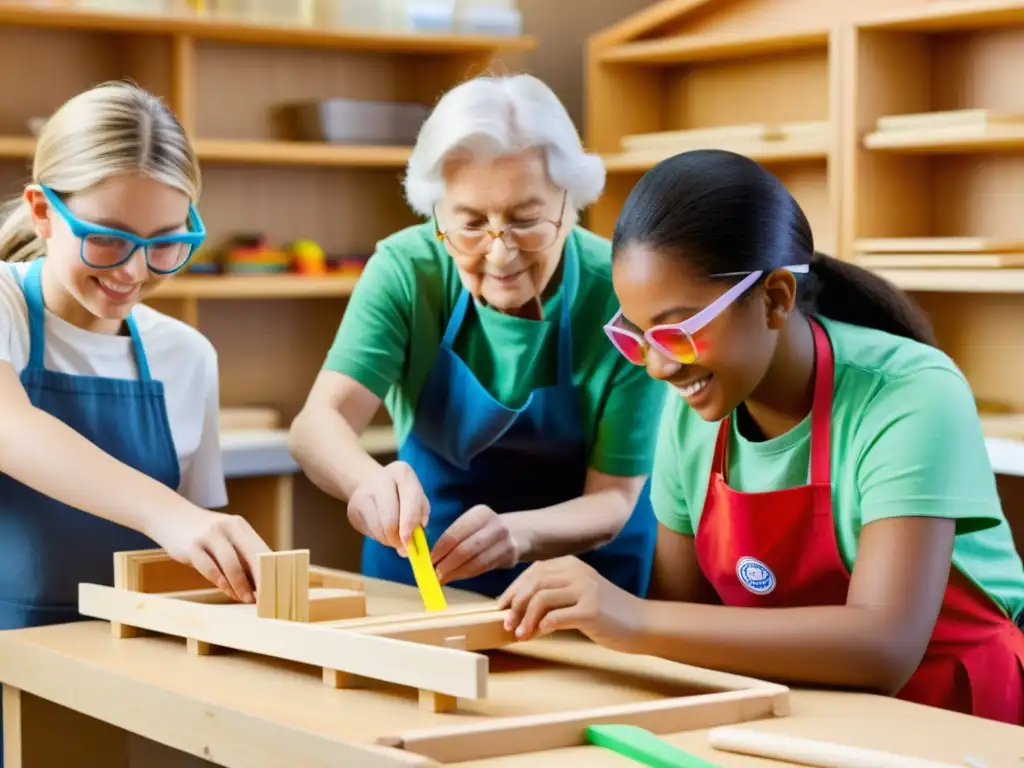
pixel 822 754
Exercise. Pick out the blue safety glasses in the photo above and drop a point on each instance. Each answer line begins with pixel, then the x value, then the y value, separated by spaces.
pixel 106 248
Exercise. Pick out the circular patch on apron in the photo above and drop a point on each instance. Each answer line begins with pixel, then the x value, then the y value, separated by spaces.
pixel 755 575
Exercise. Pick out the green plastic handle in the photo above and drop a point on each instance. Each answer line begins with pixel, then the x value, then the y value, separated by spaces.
pixel 641 745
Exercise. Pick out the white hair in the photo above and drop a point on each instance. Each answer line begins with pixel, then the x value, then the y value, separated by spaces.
pixel 498 115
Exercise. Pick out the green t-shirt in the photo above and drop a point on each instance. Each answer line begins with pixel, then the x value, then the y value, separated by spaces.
pixel 396 318
pixel 906 441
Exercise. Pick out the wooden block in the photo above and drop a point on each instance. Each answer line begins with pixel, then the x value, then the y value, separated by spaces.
pixel 336 604
pixel 198 647
pixel 334 678
pixel 284 585
pixel 431 701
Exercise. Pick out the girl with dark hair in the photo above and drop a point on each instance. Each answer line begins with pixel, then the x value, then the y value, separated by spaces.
pixel 822 459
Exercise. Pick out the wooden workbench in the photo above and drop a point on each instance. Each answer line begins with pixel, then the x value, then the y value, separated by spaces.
pixel 75 695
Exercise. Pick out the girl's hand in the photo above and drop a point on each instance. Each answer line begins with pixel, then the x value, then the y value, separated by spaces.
pixel 222 547
pixel 566 593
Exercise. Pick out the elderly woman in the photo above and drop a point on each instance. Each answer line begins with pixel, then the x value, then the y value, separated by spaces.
pixel 523 433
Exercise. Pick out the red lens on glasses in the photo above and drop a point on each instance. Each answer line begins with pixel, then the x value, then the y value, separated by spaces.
pixel 677 343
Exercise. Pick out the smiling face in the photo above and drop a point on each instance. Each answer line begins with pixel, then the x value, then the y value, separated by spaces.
pixel 100 299
pixel 734 350
pixel 495 194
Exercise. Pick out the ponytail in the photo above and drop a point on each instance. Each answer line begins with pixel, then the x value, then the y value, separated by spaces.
pixel 18 238
pixel 850 294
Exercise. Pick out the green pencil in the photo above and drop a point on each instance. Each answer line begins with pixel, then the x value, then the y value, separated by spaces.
pixel 643 746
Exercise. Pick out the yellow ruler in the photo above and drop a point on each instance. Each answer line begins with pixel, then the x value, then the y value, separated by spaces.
pixel 423 570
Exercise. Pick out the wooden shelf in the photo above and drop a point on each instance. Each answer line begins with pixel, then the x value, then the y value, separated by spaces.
pixel 300 153
pixel 256 287
pixel 950 15
pixel 710 47
pixel 17 147
pixel 956 280
pixel 983 138
pixel 248 152
pixel 639 162
pixel 240 31
pixel 693 68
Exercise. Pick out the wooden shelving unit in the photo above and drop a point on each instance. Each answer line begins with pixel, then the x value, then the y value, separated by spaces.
pixel 224 79
pixel 694 65
pixel 935 150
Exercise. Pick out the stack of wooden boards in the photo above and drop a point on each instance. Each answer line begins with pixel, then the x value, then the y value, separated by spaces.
pixel 973 252
pixel 955 129
pixel 756 140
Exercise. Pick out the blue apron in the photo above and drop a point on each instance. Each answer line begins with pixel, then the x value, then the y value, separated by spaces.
pixel 467 449
pixel 47 547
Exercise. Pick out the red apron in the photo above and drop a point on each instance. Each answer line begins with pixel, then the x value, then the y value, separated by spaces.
pixel 778 550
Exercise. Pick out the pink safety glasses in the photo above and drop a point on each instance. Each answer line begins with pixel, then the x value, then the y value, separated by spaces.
pixel 675 341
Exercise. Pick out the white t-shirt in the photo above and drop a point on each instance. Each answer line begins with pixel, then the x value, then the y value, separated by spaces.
pixel 178 355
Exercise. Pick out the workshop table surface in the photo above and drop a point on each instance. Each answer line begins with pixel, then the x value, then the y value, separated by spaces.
pixel 238 709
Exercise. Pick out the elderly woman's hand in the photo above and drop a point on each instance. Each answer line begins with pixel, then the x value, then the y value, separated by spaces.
pixel 388 505
pixel 477 542
pixel 566 593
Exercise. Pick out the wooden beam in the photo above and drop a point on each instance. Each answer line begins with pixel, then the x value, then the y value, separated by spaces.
pixel 479 631
pixel 556 730
pixel 444 670
pixel 648 19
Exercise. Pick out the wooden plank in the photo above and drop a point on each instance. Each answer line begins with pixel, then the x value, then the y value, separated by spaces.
pixel 949 15
pixel 480 631
pixel 457 673
pixel 407 618
pixel 254 33
pixel 557 730
pixel 938 245
pixel 714 46
pixel 956 280
pixel 946 118
pixel 957 138
pixel 648 19
pixel 941 260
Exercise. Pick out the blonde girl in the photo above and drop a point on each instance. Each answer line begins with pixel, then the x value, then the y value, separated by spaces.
pixel 108 408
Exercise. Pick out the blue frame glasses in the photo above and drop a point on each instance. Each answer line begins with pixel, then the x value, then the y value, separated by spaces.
pixel 106 248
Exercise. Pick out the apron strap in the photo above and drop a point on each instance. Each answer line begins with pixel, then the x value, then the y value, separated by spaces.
pixel 821 410
pixel 455 322
pixel 821 415
pixel 141 361
pixel 32 288
pixel 570 282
